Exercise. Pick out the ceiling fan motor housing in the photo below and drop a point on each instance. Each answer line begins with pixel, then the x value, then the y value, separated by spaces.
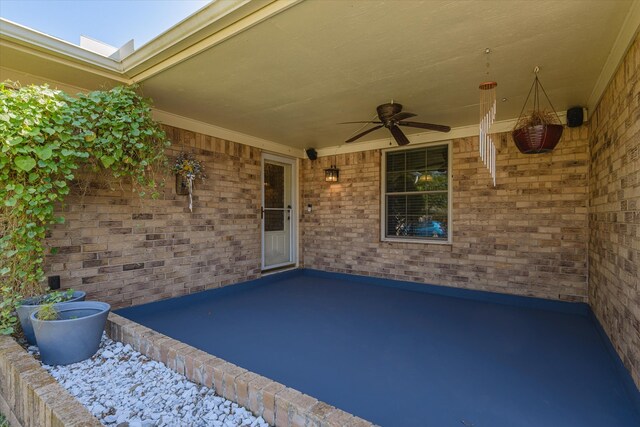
pixel 387 111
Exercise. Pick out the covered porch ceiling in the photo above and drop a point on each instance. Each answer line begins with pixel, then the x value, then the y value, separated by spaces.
pixel 290 76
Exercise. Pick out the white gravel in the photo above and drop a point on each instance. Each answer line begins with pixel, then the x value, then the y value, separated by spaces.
pixel 122 387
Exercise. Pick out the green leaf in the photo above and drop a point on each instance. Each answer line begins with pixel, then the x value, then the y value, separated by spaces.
pixel 15 141
pixel 26 163
pixel 44 153
pixel 107 161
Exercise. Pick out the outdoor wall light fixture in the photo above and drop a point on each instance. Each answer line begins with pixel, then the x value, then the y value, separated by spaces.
pixel 332 174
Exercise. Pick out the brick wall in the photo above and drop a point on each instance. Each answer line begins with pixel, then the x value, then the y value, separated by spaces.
pixel 30 397
pixel 614 214
pixel 124 250
pixel 527 236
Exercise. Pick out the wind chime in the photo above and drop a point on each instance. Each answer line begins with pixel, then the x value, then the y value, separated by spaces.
pixel 487 147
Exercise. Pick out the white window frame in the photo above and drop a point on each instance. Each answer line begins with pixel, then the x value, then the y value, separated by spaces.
pixel 383 198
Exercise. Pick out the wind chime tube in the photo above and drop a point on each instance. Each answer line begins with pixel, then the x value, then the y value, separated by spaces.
pixel 493 169
pixel 481 143
pixel 190 181
pixel 488 107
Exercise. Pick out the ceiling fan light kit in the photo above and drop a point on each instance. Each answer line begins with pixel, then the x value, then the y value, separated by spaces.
pixel 392 117
pixel 539 131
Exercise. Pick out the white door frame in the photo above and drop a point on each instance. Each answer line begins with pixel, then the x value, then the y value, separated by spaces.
pixel 293 239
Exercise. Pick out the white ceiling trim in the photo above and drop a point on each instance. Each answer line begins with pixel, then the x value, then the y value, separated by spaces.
pixel 425 137
pixel 222 133
pixel 625 37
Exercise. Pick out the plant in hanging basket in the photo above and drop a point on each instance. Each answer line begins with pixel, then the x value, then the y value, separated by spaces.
pixel 540 130
pixel 537 132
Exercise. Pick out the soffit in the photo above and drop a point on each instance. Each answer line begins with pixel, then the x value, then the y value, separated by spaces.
pixel 292 77
pixel 29 67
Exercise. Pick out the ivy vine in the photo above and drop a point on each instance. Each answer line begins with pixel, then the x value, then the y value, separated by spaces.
pixel 47 136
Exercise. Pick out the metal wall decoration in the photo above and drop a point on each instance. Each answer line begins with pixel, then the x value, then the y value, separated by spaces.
pixel 488 108
pixel 187 168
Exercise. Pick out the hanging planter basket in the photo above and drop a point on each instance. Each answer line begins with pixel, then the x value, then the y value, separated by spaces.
pixel 539 131
pixel 537 139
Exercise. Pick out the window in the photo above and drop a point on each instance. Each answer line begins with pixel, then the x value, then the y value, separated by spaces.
pixel 416 186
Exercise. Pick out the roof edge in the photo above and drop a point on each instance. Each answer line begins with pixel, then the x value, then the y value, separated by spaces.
pixel 30 39
pixel 206 28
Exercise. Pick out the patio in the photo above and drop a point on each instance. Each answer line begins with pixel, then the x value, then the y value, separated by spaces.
pixel 400 354
pixel 546 260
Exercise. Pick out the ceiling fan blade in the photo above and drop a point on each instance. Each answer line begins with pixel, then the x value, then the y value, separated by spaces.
pixel 401 116
pixel 348 123
pixel 400 137
pixel 439 128
pixel 361 134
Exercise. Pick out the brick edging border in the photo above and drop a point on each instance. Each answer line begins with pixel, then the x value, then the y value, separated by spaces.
pixel 278 404
pixel 33 397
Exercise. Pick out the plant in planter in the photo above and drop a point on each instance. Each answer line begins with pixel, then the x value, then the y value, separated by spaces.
pixel 27 306
pixel 540 130
pixel 46 137
pixel 69 332
pixel 187 168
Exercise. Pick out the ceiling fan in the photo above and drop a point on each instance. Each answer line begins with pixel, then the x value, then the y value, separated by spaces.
pixel 391 117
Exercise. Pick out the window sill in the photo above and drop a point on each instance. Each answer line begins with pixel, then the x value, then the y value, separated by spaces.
pixel 419 241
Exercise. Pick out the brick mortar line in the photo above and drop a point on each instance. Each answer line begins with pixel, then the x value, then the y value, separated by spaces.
pixel 278 404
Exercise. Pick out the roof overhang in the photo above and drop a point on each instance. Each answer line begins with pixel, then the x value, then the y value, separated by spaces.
pixel 34 57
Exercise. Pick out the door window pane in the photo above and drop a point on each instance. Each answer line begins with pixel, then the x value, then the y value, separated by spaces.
pixel 273 186
pixel 274 220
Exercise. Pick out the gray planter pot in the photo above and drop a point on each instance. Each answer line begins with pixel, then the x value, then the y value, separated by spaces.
pixel 30 305
pixel 73 338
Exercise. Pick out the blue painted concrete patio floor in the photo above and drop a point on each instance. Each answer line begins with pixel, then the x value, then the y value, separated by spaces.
pixel 403 358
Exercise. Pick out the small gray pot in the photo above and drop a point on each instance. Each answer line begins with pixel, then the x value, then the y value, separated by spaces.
pixel 75 336
pixel 30 305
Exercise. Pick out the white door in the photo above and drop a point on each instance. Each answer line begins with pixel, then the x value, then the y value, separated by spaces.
pixel 278 212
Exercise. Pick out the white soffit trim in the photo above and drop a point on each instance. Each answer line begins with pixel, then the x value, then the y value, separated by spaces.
pixel 625 37
pixel 28 40
pixel 425 137
pixel 60 60
pixel 213 24
pixel 186 123
pixel 25 79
